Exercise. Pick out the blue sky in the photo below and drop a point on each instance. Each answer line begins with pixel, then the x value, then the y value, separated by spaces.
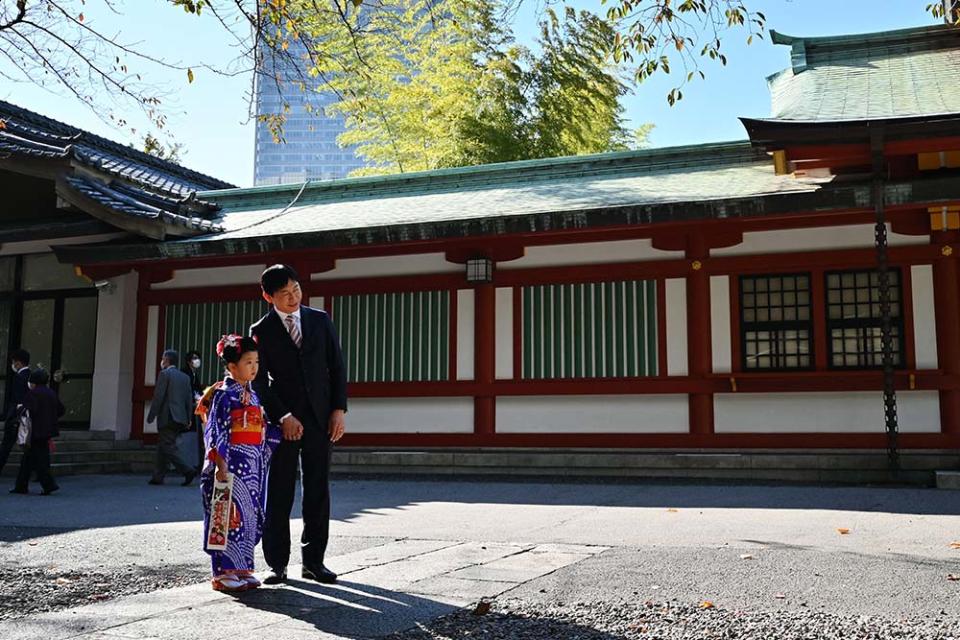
pixel 210 116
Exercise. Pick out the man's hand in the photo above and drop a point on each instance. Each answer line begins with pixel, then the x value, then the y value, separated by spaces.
pixel 336 425
pixel 292 428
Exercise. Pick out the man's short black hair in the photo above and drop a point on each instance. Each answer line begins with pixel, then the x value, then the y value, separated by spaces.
pixel 276 277
pixel 20 355
pixel 39 376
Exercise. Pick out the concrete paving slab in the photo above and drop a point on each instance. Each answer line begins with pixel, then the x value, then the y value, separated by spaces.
pixel 402 573
pixel 469 590
pixel 385 553
pixel 519 567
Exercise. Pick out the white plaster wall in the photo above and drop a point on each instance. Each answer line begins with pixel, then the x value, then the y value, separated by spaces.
pixel 590 253
pixel 790 240
pixel 410 415
pixel 676 301
pixel 466 337
pixel 924 317
pixel 592 414
pixel 504 334
pixel 111 408
pixel 855 412
pixel 317 302
pixel 720 323
pixel 390 266
pixel 147 427
pixel 213 277
pixel 151 364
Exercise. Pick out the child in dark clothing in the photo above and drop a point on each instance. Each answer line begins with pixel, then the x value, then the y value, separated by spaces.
pixel 45 411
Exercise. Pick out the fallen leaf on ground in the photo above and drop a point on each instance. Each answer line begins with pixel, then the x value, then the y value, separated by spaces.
pixel 33 544
pixel 955 545
pixel 482 608
pixel 672 510
pixel 953 577
pixel 842 531
pixel 746 556
pixel 706 604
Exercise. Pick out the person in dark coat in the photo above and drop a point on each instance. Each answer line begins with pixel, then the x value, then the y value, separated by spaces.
pixel 20 363
pixel 172 408
pixel 45 410
pixel 191 366
pixel 302 383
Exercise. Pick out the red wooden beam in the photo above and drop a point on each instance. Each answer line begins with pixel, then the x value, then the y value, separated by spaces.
pixel 731 441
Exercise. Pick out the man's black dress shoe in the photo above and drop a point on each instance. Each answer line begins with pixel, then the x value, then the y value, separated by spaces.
pixel 155 481
pixel 276 576
pixel 47 492
pixel 319 573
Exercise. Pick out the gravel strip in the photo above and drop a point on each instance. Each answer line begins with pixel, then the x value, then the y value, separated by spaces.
pixel 517 620
pixel 25 591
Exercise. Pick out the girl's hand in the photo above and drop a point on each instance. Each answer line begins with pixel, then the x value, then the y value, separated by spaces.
pixel 222 470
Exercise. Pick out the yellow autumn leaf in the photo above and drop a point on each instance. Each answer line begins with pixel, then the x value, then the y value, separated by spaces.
pixel 843 531
pixel 706 604
pixel 953 545
pixel 189 75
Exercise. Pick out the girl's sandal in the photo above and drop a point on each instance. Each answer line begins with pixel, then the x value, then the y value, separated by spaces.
pixel 229 584
pixel 250 579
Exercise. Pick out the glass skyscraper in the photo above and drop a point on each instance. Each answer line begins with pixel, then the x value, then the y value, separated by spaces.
pixel 310 151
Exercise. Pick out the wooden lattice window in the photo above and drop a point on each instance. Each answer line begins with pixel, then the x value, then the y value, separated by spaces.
pixel 776 322
pixel 853 319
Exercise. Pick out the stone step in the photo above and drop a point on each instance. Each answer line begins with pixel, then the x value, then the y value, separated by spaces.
pixel 78 434
pixel 93 456
pixel 828 466
pixel 948 479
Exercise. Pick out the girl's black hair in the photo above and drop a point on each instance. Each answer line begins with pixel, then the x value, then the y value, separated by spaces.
pixel 233 354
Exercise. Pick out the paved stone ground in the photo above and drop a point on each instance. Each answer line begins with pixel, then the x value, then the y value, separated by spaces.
pixel 110 557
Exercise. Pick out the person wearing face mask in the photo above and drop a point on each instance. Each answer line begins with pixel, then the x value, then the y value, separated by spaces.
pixel 20 365
pixel 45 411
pixel 191 367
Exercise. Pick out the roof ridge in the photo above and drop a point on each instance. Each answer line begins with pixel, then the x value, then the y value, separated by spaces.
pixel 666 157
pixel 11 110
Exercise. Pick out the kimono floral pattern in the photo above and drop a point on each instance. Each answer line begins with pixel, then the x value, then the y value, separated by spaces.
pixel 226 411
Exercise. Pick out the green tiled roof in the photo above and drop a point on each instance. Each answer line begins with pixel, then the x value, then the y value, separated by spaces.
pixel 698 173
pixel 893 74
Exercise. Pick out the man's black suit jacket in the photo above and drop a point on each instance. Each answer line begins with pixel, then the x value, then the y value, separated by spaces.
pixel 304 381
pixel 17 393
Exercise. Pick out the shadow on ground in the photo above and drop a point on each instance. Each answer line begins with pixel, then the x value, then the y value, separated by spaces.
pixel 87 502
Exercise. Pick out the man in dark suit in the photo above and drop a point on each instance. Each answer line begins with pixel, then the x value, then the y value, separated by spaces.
pixel 302 384
pixel 20 364
pixel 172 408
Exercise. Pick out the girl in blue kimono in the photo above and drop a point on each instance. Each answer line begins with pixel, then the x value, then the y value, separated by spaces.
pixel 239 441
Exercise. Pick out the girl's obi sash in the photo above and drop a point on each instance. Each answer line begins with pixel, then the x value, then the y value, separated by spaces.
pixel 246 426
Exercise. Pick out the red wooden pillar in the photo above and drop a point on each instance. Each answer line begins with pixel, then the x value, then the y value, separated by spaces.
pixel 139 358
pixel 484 413
pixel 699 348
pixel 946 300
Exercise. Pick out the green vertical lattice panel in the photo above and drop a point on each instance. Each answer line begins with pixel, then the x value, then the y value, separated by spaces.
pixel 200 325
pixel 592 330
pixel 395 337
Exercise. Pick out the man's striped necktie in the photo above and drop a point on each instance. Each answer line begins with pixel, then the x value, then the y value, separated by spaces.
pixel 294 330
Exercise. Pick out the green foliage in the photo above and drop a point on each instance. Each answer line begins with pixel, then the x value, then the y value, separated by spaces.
pixel 171 151
pixel 441 84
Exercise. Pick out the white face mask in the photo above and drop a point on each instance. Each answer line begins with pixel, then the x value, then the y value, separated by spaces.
pixel 195 363
pixel 14 368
